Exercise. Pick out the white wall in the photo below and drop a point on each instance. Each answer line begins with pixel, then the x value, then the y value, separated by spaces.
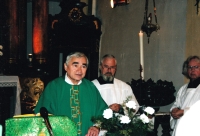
pixel 163 56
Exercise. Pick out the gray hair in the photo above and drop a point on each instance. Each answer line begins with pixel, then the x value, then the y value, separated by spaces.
pixel 77 55
pixel 185 65
pixel 108 56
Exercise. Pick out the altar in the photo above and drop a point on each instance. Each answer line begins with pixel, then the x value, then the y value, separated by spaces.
pixel 35 126
pixel 12 81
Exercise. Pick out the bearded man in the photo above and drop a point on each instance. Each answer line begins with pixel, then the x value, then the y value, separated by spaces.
pixel 113 91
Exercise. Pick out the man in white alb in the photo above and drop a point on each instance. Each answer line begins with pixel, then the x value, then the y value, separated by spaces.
pixel 188 94
pixel 113 91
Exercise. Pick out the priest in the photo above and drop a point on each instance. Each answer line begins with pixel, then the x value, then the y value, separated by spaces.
pixel 113 91
pixel 188 94
pixel 74 96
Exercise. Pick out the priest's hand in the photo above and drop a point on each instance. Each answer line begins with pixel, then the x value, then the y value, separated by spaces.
pixel 93 131
pixel 115 107
pixel 176 113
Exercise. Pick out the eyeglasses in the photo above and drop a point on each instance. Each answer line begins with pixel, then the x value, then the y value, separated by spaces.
pixel 193 67
pixel 107 67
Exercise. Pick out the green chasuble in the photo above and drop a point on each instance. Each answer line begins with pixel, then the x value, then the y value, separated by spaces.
pixel 78 102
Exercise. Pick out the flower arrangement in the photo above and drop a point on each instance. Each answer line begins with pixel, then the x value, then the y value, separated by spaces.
pixel 129 124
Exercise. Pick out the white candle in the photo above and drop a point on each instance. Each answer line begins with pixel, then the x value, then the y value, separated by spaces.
pixel 141 53
pixel 94 5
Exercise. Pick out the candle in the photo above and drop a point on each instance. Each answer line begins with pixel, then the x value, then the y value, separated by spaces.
pixel 141 54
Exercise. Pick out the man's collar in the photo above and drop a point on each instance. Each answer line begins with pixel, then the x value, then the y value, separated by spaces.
pixel 70 82
pixel 194 83
pixel 101 81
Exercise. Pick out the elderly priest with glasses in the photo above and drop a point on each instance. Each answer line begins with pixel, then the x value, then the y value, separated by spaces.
pixel 187 96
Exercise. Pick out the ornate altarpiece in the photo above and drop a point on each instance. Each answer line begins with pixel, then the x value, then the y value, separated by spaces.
pixel 71 30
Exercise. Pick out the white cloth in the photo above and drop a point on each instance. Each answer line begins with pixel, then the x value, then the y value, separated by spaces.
pixel 116 92
pixel 13 81
pixel 189 124
pixel 184 100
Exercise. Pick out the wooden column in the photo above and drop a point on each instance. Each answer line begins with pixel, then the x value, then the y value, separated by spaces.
pixel 15 38
pixel 14 33
pixel 13 22
pixel 40 34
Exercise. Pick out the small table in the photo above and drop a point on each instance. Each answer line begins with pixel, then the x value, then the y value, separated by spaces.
pixel 13 81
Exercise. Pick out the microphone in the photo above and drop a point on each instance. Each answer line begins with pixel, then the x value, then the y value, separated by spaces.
pixel 44 114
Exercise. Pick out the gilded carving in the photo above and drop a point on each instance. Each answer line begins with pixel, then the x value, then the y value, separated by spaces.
pixel 31 91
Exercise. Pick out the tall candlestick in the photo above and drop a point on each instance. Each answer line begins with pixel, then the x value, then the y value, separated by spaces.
pixel 141 55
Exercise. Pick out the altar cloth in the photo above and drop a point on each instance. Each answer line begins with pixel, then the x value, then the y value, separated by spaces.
pixel 35 126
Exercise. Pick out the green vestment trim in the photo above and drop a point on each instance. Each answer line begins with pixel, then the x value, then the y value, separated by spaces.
pixel 75 107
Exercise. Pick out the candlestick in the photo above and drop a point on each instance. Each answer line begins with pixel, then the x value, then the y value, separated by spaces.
pixel 141 55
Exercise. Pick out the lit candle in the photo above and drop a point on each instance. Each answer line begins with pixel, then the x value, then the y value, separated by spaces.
pixel 141 54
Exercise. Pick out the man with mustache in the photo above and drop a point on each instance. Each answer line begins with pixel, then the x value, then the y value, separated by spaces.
pixel 113 91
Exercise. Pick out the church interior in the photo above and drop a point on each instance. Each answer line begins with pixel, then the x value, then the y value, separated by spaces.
pixel 37 35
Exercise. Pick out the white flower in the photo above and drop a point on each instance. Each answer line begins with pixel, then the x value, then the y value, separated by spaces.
pixel 108 113
pixel 144 118
pixel 131 104
pixel 149 110
pixel 1 53
pixel 124 119
pixel 1 47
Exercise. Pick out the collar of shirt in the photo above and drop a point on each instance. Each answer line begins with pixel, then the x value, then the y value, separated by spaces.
pixel 70 82
pixel 194 84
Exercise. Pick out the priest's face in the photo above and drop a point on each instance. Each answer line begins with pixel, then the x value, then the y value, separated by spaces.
pixel 108 69
pixel 76 69
pixel 194 69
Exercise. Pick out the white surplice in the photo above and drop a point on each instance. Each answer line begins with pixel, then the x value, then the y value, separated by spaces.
pixel 116 92
pixel 189 124
pixel 185 98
